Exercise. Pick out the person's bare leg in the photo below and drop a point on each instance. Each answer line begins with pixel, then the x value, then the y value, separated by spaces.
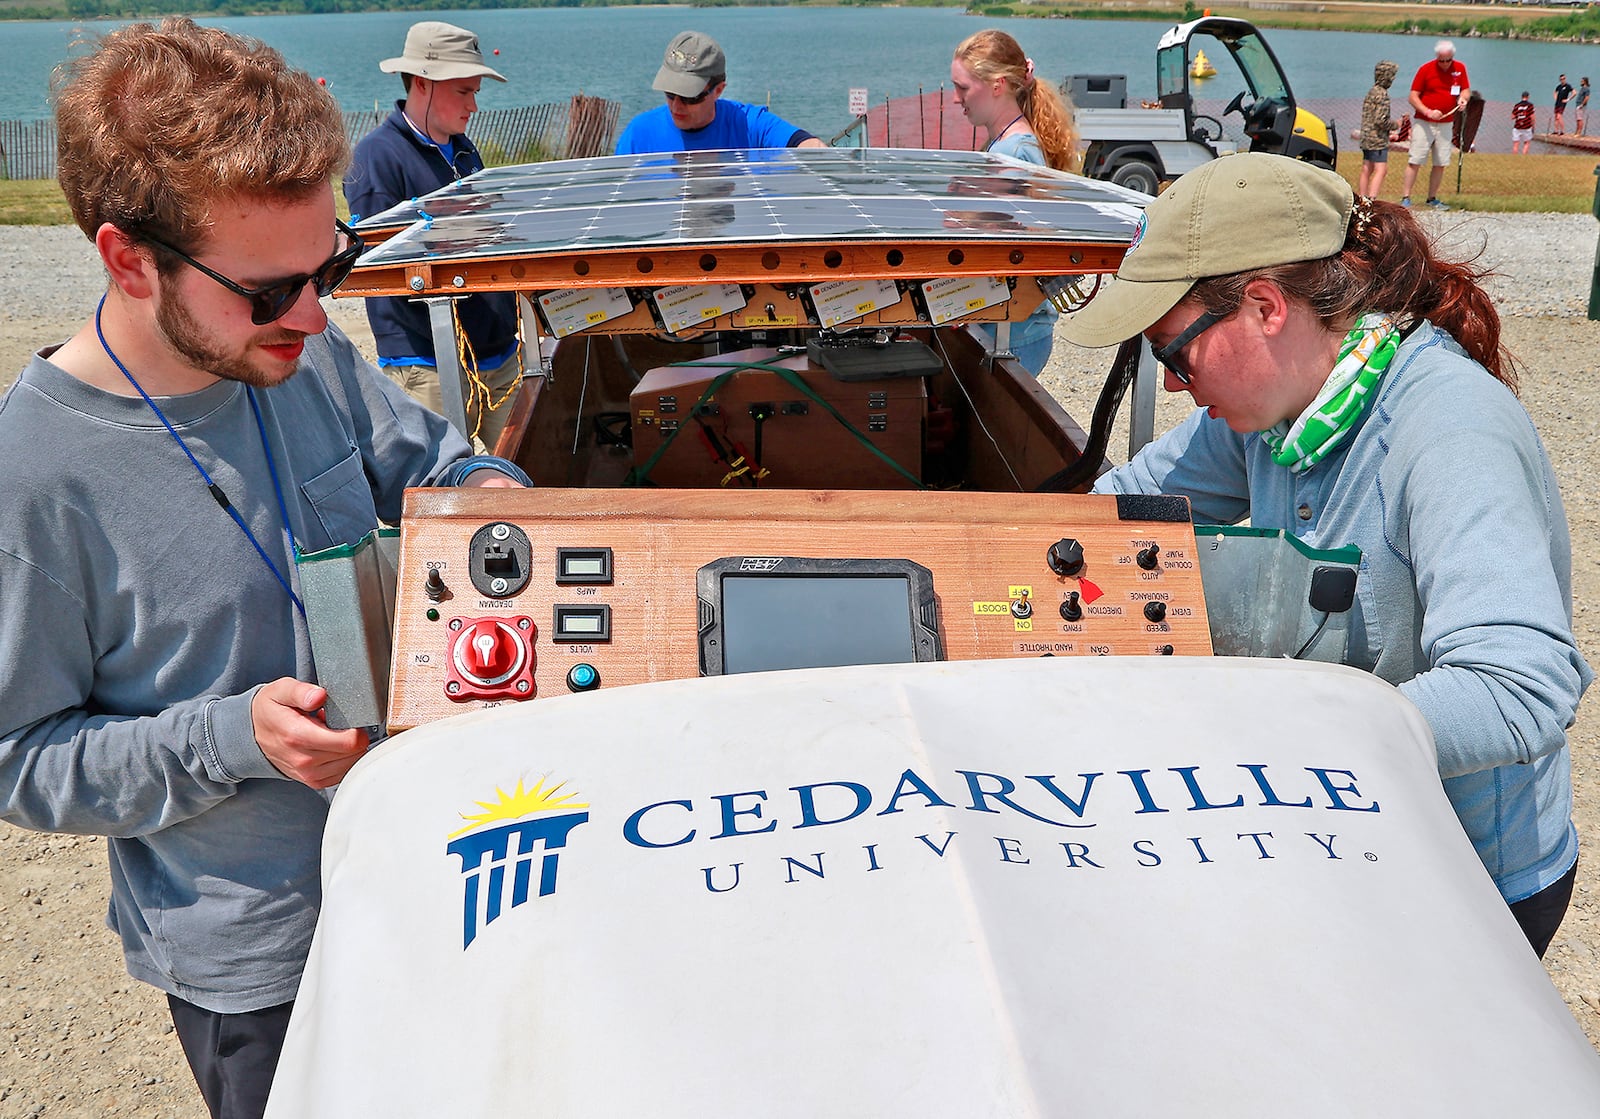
pixel 1435 177
pixel 1411 177
pixel 1379 172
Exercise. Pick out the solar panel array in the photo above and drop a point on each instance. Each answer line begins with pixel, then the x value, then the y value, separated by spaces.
pixel 760 196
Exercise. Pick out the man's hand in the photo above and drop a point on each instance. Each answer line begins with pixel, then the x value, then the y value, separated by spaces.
pixel 291 731
pixel 490 479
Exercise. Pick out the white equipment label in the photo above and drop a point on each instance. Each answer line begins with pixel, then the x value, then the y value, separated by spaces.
pixel 574 309
pixel 840 301
pixel 951 297
pixel 683 305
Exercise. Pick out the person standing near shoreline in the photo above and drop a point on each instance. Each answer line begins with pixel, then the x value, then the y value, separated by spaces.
pixel 1025 119
pixel 1581 107
pixel 1522 114
pixel 1377 129
pixel 1438 93
pixel 421 147
pixel 1563 95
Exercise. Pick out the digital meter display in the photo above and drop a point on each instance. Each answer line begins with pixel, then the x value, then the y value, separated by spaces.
pixel 762 614
pixel 814 621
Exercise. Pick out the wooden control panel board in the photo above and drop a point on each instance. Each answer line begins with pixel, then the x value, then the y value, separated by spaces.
pixel 509 595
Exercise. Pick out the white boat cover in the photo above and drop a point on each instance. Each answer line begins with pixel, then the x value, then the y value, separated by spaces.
pixel 1076 886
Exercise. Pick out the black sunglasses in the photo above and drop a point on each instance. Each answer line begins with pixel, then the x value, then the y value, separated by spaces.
pixel 271 302
pixel 1171 355
pixel 704 93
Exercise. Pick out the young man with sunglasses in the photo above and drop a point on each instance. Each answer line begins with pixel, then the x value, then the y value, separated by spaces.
pixel 696 117
pixel 419 148
pixel 162 469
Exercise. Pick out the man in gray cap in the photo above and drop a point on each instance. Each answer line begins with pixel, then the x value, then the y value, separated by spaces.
pixel 696 117
pixel 421 147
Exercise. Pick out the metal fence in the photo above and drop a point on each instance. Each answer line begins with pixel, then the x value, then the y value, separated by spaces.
pixel 575 129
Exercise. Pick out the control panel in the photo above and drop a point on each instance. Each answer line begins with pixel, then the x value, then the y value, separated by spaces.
pixel 504 596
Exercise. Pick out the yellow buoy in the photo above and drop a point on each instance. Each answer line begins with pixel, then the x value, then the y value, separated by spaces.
pixel 1201 66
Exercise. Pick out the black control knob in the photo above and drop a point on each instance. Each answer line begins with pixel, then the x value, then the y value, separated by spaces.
pixel 1166 650
pixel 1155 610
pixel 1070 610
pixel 434 586
pixel 1065 556
pixel 1149 558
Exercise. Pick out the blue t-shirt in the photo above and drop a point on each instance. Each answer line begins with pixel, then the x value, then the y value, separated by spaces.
pixel 737 125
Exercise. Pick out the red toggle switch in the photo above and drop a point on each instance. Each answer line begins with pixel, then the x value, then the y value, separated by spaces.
pixel 491 658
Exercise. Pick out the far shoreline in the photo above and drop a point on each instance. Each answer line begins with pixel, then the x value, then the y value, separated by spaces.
pixel 1523 23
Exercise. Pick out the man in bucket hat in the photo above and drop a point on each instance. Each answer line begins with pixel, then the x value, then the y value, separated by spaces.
pixel 421 147
pixel 696 117
pixel 1353 390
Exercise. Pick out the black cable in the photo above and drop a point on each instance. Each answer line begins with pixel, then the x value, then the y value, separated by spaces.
pixel 1087 465
pixel 1316 633
pixel 613 429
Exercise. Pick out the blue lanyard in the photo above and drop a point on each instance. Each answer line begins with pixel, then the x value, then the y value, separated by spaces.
pixel 216 490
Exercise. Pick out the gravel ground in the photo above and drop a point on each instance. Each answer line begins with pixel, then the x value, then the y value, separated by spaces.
pixel 79 1038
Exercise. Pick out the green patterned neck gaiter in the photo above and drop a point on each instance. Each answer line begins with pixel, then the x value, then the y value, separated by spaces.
pixel 1364 356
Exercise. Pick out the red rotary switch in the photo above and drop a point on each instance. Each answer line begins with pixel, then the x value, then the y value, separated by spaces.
pixel 491 658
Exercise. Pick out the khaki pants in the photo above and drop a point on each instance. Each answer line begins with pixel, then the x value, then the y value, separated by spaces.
pixel 421 383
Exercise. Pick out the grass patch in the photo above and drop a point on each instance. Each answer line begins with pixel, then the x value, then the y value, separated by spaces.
pixel 1490 182
pixel 1497 182
pixel 32 202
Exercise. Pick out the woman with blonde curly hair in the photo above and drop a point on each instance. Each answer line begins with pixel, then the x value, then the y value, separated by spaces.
pixel 1028 120
pixel 1024 117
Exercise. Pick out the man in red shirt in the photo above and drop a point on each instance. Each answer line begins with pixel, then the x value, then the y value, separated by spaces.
pixel 1438 92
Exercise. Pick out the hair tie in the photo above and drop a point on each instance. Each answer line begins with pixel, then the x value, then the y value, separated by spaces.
pixel 1027 74
pixel 1361 215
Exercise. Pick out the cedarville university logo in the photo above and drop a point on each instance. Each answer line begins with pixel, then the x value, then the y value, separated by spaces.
pixel 1020 820
pixel 497 863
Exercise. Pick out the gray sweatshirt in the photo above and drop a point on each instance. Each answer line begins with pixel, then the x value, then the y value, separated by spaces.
pixel 137 622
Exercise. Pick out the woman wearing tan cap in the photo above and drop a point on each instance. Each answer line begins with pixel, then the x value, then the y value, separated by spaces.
pixel 1354 390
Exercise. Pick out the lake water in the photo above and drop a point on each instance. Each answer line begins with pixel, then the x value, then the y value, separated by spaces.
pixel 802 60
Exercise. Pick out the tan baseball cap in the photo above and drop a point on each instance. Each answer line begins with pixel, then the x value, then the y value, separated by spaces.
pixel 1239 212
pixel 693 61
pixel 440 52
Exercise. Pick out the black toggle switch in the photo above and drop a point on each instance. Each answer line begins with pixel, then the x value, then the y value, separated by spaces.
pixel 1070 610
pixel 1149 558
pixel 434 586
pixel 1155 610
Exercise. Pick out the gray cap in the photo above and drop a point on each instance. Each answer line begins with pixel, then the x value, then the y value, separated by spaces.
pixel 1235 214
pixel 440 52
pixel 693 62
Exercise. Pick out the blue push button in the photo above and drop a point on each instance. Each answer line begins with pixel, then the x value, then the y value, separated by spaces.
pixel 583 678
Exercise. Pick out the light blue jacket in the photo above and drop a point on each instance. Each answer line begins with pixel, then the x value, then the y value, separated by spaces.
pixel 1464 600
